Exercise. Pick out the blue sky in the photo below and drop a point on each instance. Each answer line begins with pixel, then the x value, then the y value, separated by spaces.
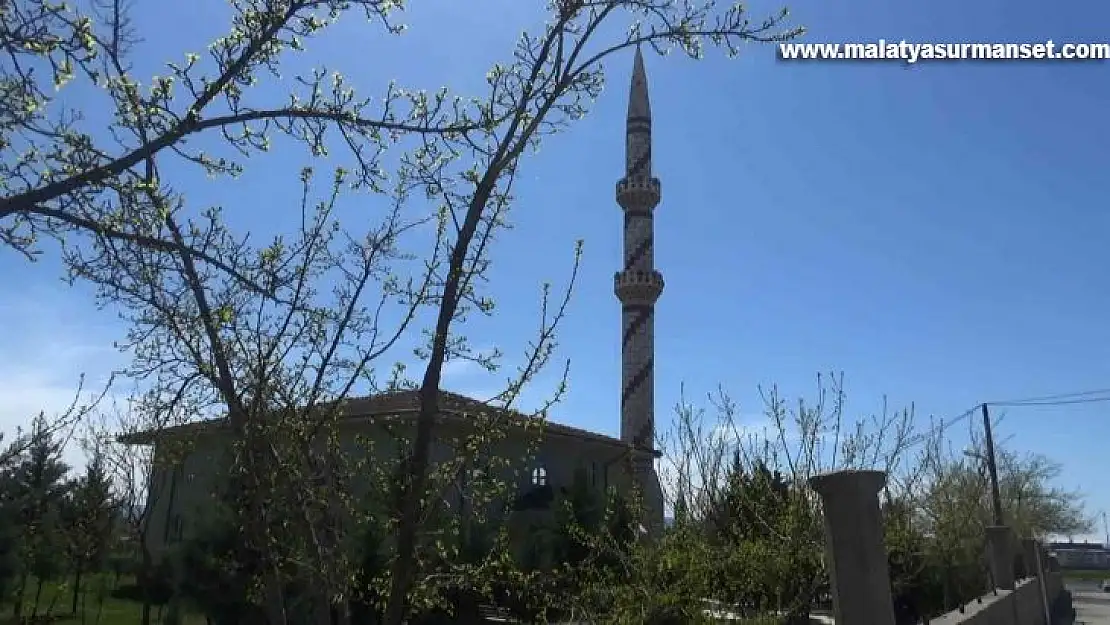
pixel 933 231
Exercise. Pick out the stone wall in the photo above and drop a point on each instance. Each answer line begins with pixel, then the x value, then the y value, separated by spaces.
pixel 1020 606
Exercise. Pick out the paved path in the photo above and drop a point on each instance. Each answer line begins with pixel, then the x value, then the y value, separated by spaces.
pixel 1092 605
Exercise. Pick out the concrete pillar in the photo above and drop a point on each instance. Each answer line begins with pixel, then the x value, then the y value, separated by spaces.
pixel 857 559
pixel 1000 552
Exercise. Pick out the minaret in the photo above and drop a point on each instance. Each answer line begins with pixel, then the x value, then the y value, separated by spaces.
pixel 638 286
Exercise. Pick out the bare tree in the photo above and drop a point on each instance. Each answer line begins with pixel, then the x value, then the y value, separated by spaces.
pixel 548 84
pixel 142 480
pixel 60 424
pixel 223 346
pixel 60 177
pixel 802 440
pixel 278 371
pixel 745 481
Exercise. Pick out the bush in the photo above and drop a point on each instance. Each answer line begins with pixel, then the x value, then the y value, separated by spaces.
pixel 214 573
pixel 123 564
pixel 634 605
pixel 533 597
pixel 157 586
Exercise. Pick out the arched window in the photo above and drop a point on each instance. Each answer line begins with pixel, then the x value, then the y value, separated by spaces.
pixel 539 476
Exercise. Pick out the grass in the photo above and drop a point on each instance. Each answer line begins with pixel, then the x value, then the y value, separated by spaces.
pixel 1093 574
pixel 96 605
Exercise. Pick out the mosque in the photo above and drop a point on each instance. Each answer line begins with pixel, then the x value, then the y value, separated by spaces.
pixel 180 492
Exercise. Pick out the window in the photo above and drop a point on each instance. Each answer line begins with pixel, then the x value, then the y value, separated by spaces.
pixel 539 476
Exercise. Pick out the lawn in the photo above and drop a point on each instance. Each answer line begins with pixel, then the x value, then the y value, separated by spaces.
pixel 1095 574
pixel 99 604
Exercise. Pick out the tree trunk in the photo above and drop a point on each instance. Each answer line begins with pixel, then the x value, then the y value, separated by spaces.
pixel 413 482
pixel 342 614
pixel 145 580
pixel 173 612
pixel 76 590
pixel 947 585
pixel 53 602
pixel 17 609
pixel 38 596
pixel 412 486
pixel 85 603
pixel 250 505
pixel 274 601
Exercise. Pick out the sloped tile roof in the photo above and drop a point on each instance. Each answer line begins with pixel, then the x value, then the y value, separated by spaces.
pixel 398 404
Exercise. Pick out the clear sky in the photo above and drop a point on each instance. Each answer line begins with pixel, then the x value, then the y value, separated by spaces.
pixel 934 231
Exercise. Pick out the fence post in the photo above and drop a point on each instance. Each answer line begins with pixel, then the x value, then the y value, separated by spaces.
pixel 857 560
pixel 999 543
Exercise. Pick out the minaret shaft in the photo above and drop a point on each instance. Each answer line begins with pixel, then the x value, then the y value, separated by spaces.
pixel 639 243
pixel 638 286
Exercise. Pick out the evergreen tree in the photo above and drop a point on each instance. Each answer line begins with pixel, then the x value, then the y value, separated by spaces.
pixel 10 562
pixel 748 503
pixel 38 493
pixel 90 520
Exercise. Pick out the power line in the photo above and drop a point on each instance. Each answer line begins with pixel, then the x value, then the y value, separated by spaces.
pixel 1082 397
pixel 1057 396
pixel 1058 399
pixel 1060 402
pixel 962 417
pixel 914 441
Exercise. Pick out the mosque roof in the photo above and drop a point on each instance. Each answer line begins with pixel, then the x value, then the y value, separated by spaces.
pixel 395 405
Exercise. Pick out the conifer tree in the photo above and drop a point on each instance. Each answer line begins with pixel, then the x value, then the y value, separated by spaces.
pixel 90 520
pixel 38 492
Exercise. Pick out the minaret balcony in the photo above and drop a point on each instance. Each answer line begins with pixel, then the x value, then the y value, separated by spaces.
pixel 635 287
pixel 638 192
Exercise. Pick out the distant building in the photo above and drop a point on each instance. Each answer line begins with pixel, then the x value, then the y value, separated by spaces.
pixel 1081 555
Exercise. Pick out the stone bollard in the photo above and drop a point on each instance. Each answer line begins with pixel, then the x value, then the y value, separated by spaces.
pixel 857 559
pixel 1000 551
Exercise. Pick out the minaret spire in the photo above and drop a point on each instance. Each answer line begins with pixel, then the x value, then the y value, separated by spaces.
pixel 638 286
pixel 639 106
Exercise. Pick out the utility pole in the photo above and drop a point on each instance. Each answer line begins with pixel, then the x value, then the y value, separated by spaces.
pixel 996 497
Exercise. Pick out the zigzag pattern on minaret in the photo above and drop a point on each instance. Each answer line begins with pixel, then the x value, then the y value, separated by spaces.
pixel 638 285
pixel 638 379
pixel 638 254
pixel 643 315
